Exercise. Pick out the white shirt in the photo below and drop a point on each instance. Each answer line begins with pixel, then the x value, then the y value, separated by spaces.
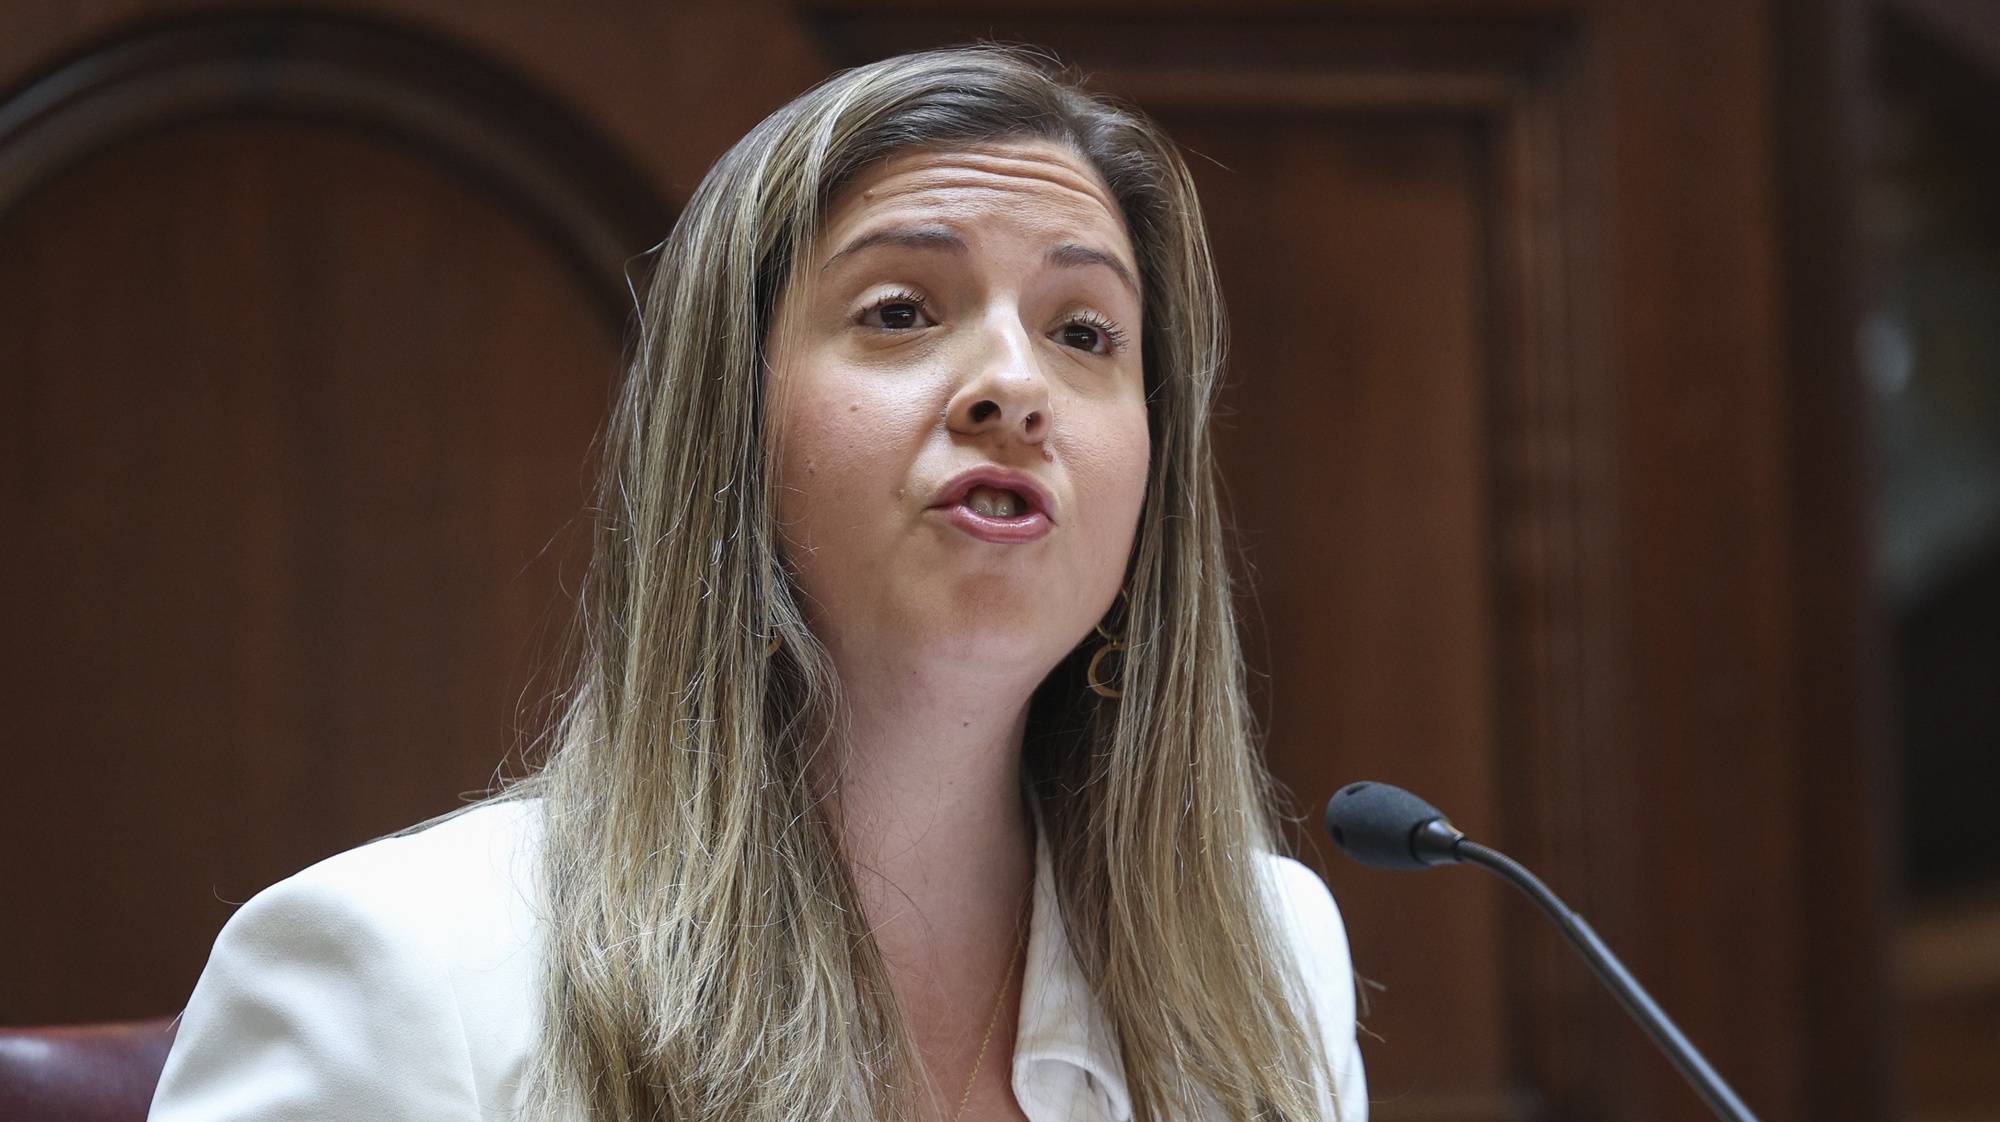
pixel 401 981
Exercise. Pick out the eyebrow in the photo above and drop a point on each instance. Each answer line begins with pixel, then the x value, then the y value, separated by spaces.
pixel 904 237
pixel 1068 255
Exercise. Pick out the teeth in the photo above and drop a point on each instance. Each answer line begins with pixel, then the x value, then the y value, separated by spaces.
pixel 994 503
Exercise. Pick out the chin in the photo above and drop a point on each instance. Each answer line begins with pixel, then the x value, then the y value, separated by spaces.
pixel 1005 643
pixel 1018 643
pixel 1011 627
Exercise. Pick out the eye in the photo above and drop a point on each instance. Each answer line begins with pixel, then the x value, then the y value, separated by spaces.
pixel 1088 331
pixel 896 311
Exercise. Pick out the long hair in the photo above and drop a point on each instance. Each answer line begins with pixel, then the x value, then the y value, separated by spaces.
pixel 708 959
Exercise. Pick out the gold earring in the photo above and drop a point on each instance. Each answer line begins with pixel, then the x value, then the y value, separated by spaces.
pixel 1113 644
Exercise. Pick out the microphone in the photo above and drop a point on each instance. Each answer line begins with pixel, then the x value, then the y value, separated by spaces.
pixel 1389 828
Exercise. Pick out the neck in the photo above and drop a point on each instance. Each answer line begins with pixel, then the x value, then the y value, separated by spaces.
pixel 930 808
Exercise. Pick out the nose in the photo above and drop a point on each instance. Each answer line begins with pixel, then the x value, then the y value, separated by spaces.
pixel 1006 395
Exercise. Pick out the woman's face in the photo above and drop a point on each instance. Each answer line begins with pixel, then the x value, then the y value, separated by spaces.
pixel 970 319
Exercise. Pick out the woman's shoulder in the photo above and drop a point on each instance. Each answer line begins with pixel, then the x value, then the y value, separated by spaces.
pixel 1310 923
pixel 399 979
pixel 456 881
pixel 1309 919
pixel 447 859
pixel 1298 886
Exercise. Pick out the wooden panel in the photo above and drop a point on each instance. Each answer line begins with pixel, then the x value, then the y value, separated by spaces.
pixel 1354 414
pixel 298 431
pixel 1847 884
pixel 1710 771
pixel 1948 982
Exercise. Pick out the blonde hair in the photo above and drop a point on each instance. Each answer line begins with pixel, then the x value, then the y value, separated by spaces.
pixel 707 954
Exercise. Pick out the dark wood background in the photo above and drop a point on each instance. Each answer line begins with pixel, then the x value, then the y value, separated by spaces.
pixel 1542 439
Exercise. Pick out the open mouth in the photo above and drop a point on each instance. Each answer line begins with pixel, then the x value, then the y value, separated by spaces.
pixel 996 505
pixel 996 502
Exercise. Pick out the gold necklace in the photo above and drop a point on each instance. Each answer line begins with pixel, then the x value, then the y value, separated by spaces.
pixel 999 1000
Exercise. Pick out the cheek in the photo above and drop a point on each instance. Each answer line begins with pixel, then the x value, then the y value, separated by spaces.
pixel 805 452
pixel 835 458
pixel 1113 470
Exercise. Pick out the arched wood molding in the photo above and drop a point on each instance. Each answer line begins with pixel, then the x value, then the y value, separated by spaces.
pixel 487 124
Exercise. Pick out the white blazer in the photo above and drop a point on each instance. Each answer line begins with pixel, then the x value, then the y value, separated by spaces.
pixel 401 981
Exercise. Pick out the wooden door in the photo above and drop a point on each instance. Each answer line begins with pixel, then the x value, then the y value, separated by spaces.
pixel 307 326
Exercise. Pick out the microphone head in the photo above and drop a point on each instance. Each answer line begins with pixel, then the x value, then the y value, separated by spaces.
pixel 1389 828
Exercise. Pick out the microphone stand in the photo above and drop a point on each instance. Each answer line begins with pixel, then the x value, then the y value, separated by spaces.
pixel 1716 1093
pixel 1387 827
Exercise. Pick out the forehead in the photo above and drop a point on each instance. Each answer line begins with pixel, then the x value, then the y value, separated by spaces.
pixel 1041 186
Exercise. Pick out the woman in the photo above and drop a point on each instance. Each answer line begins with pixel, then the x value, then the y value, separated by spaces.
pixel 907 772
